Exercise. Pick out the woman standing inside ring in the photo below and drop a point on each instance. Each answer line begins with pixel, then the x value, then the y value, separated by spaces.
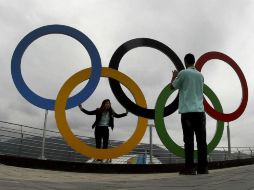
pixel 104 119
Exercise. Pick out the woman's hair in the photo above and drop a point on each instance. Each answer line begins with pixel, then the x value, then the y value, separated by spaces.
pixel 102 108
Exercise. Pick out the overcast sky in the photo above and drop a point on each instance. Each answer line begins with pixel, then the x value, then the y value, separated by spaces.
pixel 185 26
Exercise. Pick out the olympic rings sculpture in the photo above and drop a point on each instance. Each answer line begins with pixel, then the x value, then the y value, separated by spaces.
pixel 93 74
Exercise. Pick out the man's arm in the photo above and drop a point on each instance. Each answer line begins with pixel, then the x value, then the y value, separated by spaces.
pixel 171 86
pixel 174 75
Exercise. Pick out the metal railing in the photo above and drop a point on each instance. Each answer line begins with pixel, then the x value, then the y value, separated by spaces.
pixel 26 141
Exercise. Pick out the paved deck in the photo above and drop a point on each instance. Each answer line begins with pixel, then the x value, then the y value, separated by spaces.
pixel 34 179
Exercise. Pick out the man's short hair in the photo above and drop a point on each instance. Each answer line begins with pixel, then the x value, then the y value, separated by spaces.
pixel 189 59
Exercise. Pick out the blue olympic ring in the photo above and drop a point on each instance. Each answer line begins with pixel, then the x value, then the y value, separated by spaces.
pixel 49 104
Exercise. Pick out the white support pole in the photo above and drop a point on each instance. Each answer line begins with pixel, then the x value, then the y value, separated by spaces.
pixel 21 140
pixel 44 136
pixel 151 142
pixel 229 142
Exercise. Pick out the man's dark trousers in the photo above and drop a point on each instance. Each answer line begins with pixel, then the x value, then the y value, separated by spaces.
pixel 194 122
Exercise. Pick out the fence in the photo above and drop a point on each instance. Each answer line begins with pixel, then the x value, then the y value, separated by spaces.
pixel 27 141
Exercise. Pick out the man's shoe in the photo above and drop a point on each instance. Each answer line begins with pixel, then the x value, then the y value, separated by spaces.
pixel 188 172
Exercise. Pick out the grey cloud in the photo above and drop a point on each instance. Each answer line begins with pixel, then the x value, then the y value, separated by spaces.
pixel 184 26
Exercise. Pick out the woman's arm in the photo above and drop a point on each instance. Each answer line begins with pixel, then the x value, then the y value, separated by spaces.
pixel 120 115
pixel 86 111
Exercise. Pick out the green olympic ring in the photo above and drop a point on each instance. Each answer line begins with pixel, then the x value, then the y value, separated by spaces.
pixel 161 129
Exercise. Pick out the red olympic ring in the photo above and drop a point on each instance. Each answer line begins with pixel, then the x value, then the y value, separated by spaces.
pixel 212 112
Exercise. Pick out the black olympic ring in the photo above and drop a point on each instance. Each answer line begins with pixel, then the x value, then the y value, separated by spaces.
pixel 116 87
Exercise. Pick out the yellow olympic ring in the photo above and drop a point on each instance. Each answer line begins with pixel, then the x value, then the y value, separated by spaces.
pixel 82 147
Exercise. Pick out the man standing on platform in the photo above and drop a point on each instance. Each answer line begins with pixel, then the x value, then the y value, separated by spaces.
pixel 190 84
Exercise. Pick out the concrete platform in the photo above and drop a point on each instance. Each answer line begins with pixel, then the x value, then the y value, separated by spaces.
pixel 111 168
pixel 235 178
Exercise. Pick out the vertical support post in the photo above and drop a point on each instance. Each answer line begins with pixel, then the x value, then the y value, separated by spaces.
pixel 44 136
pixel 144 161
pixel 250 152
pixel 21 140
pixel 151 142
pixel 229 142
pixel 225 154
pixel 239 153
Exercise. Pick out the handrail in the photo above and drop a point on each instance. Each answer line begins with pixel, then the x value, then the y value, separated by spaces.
pixel 27 141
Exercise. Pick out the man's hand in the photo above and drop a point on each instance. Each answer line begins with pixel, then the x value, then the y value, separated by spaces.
pixel 174 75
